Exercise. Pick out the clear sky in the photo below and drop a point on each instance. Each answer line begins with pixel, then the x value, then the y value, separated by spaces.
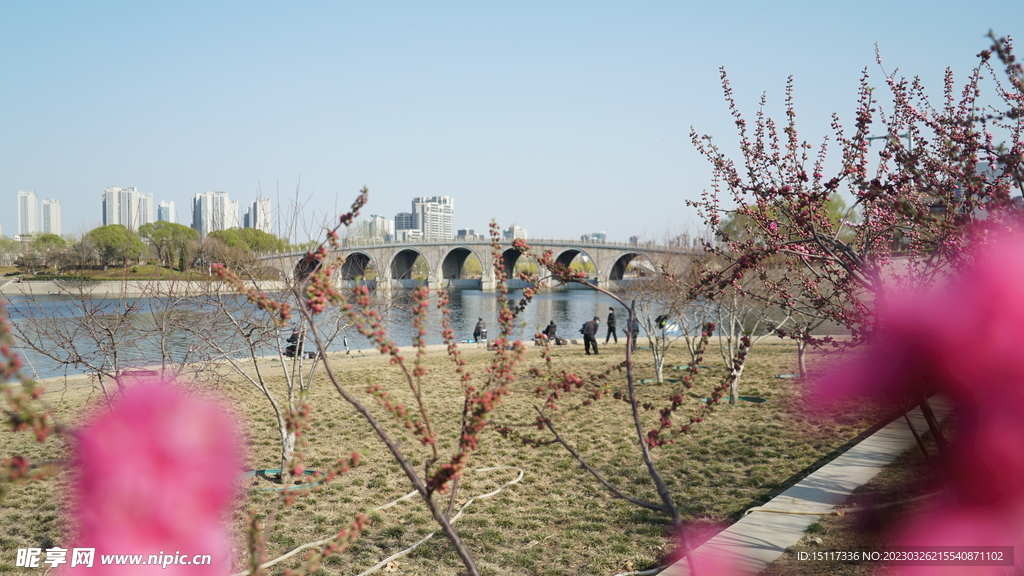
pixel 562 117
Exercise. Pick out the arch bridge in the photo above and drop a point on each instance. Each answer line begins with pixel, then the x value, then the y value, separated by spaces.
pixel 446 261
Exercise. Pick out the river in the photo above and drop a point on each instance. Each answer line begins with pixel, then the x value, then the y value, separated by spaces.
pixel 61 316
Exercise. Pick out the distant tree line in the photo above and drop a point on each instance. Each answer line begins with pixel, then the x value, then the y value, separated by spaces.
pixel 165 244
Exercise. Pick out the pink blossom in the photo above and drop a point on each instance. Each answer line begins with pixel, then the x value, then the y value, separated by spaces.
pixel 156 476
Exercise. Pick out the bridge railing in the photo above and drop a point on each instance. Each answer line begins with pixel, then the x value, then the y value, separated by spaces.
pixel 358 242
pixel 369 242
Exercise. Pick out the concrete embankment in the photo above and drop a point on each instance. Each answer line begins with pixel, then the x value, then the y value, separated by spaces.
pixel 125 288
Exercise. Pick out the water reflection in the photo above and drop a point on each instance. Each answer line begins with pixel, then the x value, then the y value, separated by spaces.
pixel 143 329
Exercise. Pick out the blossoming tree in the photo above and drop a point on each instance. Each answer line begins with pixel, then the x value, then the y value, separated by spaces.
pixel 940 168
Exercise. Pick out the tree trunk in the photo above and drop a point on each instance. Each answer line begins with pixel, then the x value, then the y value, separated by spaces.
pixel 287 448
pixel 734 384
pixel 801 357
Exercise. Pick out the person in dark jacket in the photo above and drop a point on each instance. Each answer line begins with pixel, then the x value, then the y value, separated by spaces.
pixel 590 335
pixel 480 332
pixel 549 331
pixel 295 343
pixel 611 326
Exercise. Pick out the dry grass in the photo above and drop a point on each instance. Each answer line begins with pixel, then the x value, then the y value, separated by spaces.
pixel 557 520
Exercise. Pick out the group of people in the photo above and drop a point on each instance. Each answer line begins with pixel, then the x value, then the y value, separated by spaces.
pixel 589 331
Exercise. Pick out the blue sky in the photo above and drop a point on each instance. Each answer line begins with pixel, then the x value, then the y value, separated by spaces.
pixel 562 117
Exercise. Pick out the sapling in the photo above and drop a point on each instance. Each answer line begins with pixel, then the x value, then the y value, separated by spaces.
pixel 317 292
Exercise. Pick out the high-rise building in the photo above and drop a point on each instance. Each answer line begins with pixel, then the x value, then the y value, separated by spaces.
pixel 406 221
pixel 145 211
pixel 436 217
pixel 513 232
pixel 380 227
pixel 125 206
pixel 213 211
pixel 257 215
pixel 165 212
pixel 28 212
pixel 51 217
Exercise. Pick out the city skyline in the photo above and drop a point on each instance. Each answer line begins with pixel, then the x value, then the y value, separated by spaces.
pixel 131 208
pixel 566 118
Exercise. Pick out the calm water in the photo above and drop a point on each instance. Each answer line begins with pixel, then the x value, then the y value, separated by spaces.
pixel 568 308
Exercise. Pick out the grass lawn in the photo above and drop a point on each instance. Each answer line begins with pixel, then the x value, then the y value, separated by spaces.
pixel 557 520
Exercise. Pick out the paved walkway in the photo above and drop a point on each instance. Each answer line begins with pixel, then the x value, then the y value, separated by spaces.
pixel 761 537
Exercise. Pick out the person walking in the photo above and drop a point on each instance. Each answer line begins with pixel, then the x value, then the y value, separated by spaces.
pixel 611 326
pixel 590 335
pixel 480 331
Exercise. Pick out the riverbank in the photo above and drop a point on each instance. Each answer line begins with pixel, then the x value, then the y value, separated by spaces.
pixel 124 288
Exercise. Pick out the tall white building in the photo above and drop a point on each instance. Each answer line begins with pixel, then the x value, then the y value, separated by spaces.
pixel 436 216
pixel 380 227
pixel 125 206
pixel 28 212
pixel 165 211
pixel 513 232
pixel 51 217
pixel 213 211
pixel 257 215
pixel 146 210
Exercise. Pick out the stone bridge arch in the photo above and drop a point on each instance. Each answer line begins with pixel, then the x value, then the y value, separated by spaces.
pixel 617 270
pixel 567 255
pixel 355 265
pixel 453 262
pixel 402 263
pixel 304 267
pixel 512 258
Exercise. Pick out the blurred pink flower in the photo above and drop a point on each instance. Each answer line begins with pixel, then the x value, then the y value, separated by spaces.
pixel 963 341
pixel 156 476
pixel 951 524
